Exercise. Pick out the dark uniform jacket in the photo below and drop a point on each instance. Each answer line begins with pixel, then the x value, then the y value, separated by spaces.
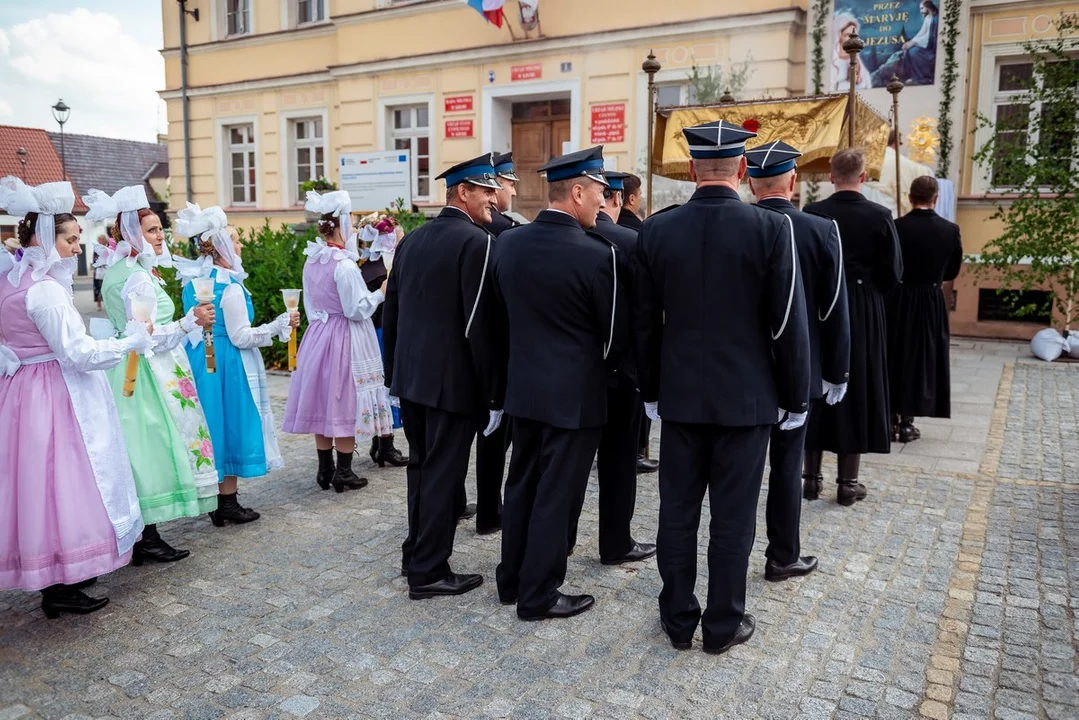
pixel 629 219
pixel 720 316
pixel 500 223
pixel 931 248
pixel 820 260
pixel 555 282
pixel 625 243
pixel 438 273
pixel 870 249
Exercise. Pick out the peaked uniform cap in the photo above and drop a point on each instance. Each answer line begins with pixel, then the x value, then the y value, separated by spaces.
pixel 616 180
pixel 583 163
pixel 719 139
pixel 503 163
pixel 771 159
pixel 479 171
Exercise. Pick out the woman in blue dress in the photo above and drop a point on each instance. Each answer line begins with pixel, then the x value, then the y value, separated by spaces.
pixel 234 398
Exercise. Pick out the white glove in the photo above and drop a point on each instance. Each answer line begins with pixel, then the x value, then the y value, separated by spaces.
pixel 493 423
pixel 282 329
pixel 395 402
pixel 138 340
pixel 652 410
pixel 834 394
pixel 793 421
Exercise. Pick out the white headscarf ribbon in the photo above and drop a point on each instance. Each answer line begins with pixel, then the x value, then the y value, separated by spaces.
pixel 126 202
pixel 209 224
pixel 338 204
pixel 46 200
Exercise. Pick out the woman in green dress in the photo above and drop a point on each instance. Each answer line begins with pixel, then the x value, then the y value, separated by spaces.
pixel 163 424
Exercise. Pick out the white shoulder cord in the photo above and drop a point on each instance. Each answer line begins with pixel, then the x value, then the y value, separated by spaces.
pixel 839 277
pixel 479 292
pixel 614 303
pixel 794 278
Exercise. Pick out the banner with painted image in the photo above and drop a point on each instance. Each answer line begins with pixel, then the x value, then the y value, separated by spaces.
pixel 900 39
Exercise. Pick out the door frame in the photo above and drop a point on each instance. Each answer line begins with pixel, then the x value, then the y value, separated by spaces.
pixel 524 92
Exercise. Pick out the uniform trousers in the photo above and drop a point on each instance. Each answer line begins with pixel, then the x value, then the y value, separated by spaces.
pixel 645 433
pixel 728 462
pixel 490 469
pixel 439 444
pixel 617 469
pixel 784 511
pixel 548 469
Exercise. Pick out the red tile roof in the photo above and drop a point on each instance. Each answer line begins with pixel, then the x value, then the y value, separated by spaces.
pixel 42 161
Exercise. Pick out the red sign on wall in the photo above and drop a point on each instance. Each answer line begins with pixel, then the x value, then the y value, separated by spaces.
pixel 458 128
pixel 532 71
pixel 608 123
pixel 458 103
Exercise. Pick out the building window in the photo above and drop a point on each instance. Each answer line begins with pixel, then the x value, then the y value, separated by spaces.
pixel 240 144
pixel 311 11
pixel 1013 114
pixel 671 94
pixel 307 152
pixel 412 132
pixel 237 17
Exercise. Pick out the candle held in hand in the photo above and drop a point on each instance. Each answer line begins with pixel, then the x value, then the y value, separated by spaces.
pixel 142 308
pixel 292 304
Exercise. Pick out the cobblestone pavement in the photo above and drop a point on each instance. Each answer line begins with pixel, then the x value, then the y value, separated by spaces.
pixel 952 591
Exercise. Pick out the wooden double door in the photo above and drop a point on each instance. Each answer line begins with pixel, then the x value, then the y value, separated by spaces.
pixel 535 141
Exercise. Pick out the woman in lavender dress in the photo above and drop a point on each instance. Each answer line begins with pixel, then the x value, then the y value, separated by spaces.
pixel 337 392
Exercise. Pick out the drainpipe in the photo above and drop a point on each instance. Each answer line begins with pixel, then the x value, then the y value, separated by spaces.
pixel 183 91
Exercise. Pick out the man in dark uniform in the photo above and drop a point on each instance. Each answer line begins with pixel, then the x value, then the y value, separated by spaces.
pixel 918 332
pixel 862 422
pixel 618 443
pixel 773 178
pixel 491 450
pixel 723 346
pixel 628 218
pixel 557 284
pixel 437 327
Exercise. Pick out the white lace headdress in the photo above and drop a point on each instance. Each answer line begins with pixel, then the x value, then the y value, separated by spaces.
pixel 126 202
pixel 47 200
pixel 209 224
pixel 338 204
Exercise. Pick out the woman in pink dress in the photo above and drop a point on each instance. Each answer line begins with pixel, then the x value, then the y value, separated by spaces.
pixel 68 508
pixel 337 392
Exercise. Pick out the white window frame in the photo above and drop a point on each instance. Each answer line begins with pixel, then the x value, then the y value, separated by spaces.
pixel 386 106
pixel 287 118
pixel 994 57
pixel 290 15
pixel 219 20
pixel 224 167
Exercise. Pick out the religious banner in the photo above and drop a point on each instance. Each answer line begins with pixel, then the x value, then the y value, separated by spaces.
pixel 900 39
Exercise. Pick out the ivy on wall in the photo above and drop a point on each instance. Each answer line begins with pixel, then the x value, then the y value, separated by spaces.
pixel 949 77
pixel 822 10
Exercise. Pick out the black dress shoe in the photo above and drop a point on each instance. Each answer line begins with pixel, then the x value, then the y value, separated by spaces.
pixel 566 606
pixel 908 433
pixel 646 465
pixel 156 550
pixel 849 492
pixel 468 513
pixel 639 551
pixel 741 635
pixel 57 599
pixel 775 572
pixel 812 486
pixel 676 644
pixel 451 585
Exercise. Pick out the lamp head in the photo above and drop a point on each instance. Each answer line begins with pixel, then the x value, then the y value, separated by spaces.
pixel 60 111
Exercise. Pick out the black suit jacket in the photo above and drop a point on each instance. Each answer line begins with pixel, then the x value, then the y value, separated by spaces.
pixel 820 260
pixel 629 219
pixel 931 248
pixel 870 246
pixel 438 274
pixel 625 243
pixel 555 282
pixel 499 223
pixel 721 324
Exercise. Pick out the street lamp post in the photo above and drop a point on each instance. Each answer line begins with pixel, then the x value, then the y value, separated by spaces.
pixel 650 66
pixel 852 46
pixel 60 113
pixel 895 87
pixel 21 152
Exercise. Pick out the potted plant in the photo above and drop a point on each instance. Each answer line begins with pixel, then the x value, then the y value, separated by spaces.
pixel 320 185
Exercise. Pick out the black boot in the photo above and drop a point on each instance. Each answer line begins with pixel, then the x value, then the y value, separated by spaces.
pixel 229 508
pixel 812 480
pixel 153 548
pixel 850 490
pixel 344 477
pixel 387 454
pixel 57 599
pixel 907 432
pixel 374 449
pixel 325 469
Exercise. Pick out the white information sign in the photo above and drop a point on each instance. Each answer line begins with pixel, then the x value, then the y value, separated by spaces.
pixel 374 181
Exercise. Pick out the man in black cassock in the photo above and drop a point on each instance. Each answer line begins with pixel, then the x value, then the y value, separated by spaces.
pixel 617 456
pixel 918 357
pixel 723 346
pixel 773 176
pixel 862 423
pixel 438 329
pixel 555 280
